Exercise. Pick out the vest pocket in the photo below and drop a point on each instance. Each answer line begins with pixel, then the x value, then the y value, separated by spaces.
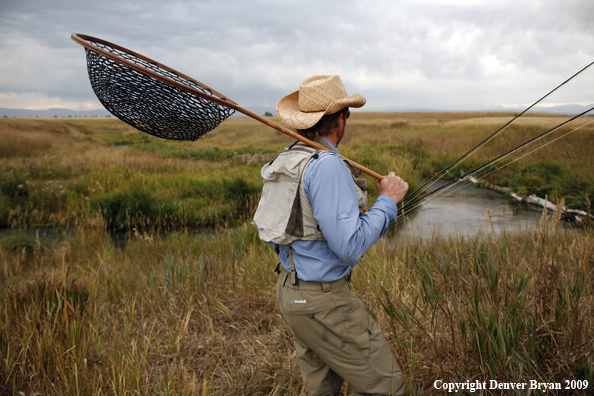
pixel 295 223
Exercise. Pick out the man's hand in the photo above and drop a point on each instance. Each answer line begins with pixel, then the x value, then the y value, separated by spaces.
pixel 392 186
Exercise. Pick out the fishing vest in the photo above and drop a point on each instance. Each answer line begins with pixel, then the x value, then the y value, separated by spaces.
pixel 284 213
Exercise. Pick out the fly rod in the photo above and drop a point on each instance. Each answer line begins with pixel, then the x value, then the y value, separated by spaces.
pixel 412 198
pixel 412 205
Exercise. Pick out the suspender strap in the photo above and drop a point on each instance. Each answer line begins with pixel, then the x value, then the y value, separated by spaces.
pixel 293 270
pixel 348 277
pixel 326 286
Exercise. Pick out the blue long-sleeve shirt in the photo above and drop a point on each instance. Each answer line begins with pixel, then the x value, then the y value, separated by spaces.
pixel 331 192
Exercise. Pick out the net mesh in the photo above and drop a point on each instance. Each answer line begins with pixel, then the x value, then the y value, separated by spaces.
pixel 148 104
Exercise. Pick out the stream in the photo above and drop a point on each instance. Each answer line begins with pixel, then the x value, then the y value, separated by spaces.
pixel 464 212
pixel 461 212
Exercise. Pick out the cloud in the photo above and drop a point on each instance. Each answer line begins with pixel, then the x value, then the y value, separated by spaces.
pixel 35 67
pixel 40 101
pixel 422 54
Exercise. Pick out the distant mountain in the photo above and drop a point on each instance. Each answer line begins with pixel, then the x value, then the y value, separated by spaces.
pixel 55 112
pixel 23 113
pixel 571 109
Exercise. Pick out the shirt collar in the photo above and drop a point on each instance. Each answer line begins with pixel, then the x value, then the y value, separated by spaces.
pixel 326 143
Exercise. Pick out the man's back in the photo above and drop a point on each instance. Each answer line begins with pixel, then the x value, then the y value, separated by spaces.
pixel 335 338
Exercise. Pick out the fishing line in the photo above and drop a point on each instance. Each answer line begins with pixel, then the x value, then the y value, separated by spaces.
pixel 486 171
pixel 444 171
pixel 463 182
pixel 536 149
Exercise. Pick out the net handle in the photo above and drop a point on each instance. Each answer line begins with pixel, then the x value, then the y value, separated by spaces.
pixel 217 97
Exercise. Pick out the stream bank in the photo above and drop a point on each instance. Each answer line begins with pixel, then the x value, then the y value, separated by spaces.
pixel 469 211
pixel 578 216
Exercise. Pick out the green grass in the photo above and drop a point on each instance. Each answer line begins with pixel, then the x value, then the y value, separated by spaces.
pixel 175 308
pixel 198 203
pixel 207 154
pixel 82 171
pixel 550 178
pixel 23 242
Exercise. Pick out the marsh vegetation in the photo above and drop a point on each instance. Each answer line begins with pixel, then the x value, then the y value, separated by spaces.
pixel 177 311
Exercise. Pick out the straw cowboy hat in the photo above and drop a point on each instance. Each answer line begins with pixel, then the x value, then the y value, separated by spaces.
pixel 317 96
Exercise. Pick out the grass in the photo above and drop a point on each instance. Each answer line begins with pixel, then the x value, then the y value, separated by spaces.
pixel 511 308
pixel 76 167
pixel 549 178
pixel 186 313
pixel 86 172
pixel 173 308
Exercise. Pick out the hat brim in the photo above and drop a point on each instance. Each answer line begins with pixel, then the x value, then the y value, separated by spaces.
pixel 288 110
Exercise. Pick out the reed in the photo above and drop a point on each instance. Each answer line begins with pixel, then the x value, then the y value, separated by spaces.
pixel 183 313
pixel 509 307
pixel 166 307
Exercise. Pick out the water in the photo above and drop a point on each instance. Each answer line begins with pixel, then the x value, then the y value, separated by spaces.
pixel 464 212
pixel 460 213
pixel 50 234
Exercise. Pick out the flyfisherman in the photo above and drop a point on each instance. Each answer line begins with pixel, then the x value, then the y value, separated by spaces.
pixel 312 213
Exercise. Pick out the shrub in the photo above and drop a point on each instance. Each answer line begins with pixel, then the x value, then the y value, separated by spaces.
pixel 123 209
pixel 194 188
pixel 550 179
pixel 14 188
pixel 4 211
pixel 241 193
pixel 20 241
pixel 200 203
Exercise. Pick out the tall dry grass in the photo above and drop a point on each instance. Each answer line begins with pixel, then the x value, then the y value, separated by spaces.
pixel 510 307
pixel 195 314
pixel 183 314
pixel 169 308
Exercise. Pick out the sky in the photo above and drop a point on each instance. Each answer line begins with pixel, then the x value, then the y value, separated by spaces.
pixel 422 54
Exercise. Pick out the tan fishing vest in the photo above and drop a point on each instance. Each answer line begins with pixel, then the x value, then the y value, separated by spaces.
pixel 284 214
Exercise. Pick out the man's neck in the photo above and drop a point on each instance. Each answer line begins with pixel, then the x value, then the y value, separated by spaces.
pixel 337 132
pixel 323 140
pixel 333 137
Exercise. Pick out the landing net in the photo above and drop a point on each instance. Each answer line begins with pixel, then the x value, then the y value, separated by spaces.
pixel 149 104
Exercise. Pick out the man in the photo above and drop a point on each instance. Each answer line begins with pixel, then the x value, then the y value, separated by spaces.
pixel 312 213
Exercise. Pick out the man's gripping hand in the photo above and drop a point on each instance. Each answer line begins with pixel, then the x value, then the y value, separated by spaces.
pixel 392 186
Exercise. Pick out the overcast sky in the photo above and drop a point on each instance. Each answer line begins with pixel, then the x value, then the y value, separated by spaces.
pixel 423 54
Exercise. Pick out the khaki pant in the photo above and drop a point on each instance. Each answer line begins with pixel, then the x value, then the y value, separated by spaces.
pixel 336 339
